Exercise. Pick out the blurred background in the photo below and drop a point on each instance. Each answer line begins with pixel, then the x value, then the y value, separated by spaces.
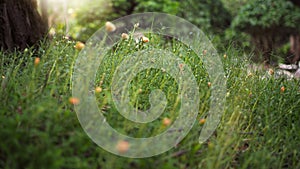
pixel 265 29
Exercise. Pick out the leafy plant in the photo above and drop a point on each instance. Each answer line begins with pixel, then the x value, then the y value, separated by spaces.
pixel 233 6
pixel 258 15
pixel 268 22
pixel 210 16
pixel 94 14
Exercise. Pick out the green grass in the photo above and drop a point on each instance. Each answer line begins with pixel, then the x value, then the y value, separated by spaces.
pixel 39 127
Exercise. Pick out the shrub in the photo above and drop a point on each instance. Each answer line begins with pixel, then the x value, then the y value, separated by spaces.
pixel 211 16
pixel 91 17
pixel 268 22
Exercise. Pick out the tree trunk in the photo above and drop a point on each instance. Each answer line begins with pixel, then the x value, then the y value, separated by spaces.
pixel 295 43
pixel 20 24
pixel 263 48
pixel 295 47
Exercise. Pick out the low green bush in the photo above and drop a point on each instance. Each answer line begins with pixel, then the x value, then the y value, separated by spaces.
pixel 269 23
pixel 211 17
pixel 40 129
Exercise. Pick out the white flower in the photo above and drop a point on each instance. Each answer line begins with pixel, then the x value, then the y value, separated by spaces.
pixel 136 25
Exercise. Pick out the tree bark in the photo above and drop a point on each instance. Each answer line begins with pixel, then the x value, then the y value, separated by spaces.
pixel 295 48
pixel 21 26
pixel 263 48
pixel 295 42
pixel 296 2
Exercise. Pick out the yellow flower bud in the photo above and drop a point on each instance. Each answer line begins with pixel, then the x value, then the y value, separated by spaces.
pixel 122 146
pixel 110 27
pixel 125 36
pixel 79 46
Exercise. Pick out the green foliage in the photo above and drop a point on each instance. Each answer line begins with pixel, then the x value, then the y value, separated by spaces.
pixel 210 16
pixel 40 129
pixel 90 17
pixel 259 15
pixel 94 14
pixel 146 81
pixel 238 39
pixel 166 6
pixel 269 23
pixel 123 7
pixel 233 6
